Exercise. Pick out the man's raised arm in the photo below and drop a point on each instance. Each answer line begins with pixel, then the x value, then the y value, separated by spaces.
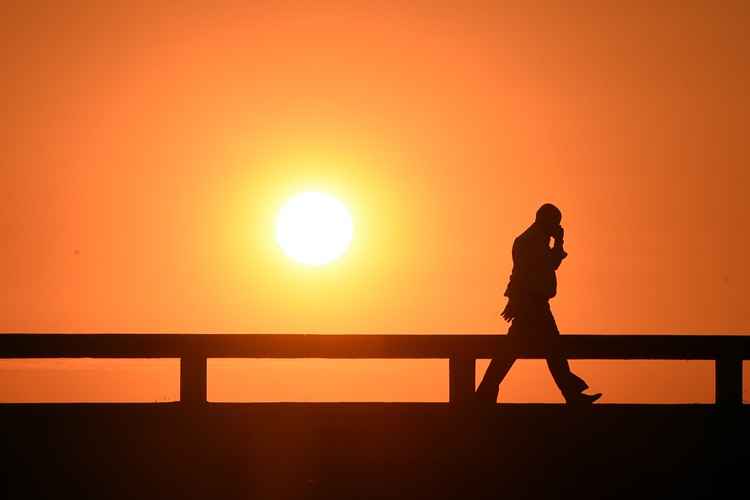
pixel 557 253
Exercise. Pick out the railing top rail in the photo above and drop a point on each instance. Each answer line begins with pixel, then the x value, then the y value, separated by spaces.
pixel 120 345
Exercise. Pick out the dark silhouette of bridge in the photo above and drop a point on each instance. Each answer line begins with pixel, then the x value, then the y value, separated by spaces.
pixel 462 351
pixel 195 449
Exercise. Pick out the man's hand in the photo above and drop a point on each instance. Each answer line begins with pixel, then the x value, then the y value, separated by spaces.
pixel 558 234
pixel 509 312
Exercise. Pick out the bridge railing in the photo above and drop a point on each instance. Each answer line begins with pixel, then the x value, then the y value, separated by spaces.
pixel 462 351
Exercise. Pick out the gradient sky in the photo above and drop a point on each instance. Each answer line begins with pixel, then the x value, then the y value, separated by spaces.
pixel 146 148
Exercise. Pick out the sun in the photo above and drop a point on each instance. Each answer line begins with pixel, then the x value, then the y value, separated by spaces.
pixel 314 228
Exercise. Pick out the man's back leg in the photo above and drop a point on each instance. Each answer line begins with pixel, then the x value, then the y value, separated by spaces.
pixel 489 386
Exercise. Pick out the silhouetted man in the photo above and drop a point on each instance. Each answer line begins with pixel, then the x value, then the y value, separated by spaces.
pixel 532 284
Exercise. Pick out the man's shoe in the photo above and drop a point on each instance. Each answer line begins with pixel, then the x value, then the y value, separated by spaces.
pixel 485 396
pixel 484 400
pixel 584 399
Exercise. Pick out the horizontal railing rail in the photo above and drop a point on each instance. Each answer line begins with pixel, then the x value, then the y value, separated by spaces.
pixel 462 351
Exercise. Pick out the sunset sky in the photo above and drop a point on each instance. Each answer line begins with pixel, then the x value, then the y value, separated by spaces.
pixel 147 148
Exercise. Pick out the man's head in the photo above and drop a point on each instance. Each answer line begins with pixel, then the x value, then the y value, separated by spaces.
pixel 548 218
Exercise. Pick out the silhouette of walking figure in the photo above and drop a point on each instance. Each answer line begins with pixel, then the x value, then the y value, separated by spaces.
pixel 532 284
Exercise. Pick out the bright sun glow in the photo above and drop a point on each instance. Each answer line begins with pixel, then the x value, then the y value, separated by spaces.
pixel 314 228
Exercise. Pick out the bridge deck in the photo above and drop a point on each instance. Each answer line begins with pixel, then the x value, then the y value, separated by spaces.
pixel 350 451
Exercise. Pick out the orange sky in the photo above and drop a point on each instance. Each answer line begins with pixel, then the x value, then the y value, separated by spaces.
pixel 146 149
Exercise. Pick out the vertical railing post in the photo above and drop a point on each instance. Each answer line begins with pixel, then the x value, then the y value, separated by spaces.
pixel 461 380
pixel 193 380
pixel 729 380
